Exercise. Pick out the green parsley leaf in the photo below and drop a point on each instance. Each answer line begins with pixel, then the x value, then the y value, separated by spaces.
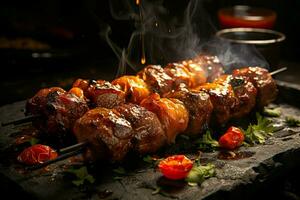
pixel 81 175
pixel 257 133
pixel 151 160
pixel 272 112
pixel 207 143
pixel 148 159
pixel 291 121
pixel 120 171
pixel 199 173
pixel 34 141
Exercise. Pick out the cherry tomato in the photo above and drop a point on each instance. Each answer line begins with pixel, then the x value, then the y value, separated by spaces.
pixel 232 139
pixel 175 167
pixel 36 154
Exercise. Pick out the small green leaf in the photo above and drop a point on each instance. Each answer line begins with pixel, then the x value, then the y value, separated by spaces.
pixel 291 121
pixel 151 160
pixel 120 170
pixel 90 178
pixel 148 159
pixel 78 182
pixel 272 112
pixel 207 143
pixel 199 173
pixel 257 133
pixel 117 178
pixel 34 141
pixel 81 175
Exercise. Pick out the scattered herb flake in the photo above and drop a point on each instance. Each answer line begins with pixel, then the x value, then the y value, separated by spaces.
pixel 207 143
pixel 148 159
pixel 257 133
pixel 272 112
pixel 291 121
pixel 81 175
pixel 199 173
pixel 34 141
pixel 120 171
pixel 152 160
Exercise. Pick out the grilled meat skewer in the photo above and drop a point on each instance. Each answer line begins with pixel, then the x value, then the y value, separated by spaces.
pixel 231 96
pixel 226 95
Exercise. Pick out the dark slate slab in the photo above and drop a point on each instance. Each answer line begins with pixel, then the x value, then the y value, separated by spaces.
pixel 234 179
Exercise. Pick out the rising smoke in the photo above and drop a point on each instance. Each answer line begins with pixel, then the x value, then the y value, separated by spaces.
pixel 166 38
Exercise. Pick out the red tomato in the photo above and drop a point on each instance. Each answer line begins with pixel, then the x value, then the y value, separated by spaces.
pixel 232 139
pixel 36 154
pixel 175 167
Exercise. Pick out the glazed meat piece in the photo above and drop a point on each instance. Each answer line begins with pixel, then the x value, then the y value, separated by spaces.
pixel 181 75
pixel 106 95
pixel 171 113
pixel 223 99
pixel 198 73
pixel 156 78
pixel 61 112
pixel 84 85
pixel 135 88
pixel 199 108
pixel 149 135
pixel 244 91
pixel 101 93
pixel 263 81
pixel 58 109
pixel 38 102
pixel 109 135
pixel 208 65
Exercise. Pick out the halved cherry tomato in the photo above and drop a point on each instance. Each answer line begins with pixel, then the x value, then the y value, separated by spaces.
pixel 233 138
pixel 175 167
pixel 36 154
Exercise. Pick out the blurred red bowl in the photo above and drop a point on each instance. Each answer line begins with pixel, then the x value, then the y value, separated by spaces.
pixel 246 16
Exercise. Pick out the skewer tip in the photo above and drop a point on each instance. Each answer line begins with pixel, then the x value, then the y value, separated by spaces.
pixel 278 71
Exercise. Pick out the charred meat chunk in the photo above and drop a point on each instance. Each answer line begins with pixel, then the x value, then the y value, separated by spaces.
pixel 263 81
pixel 199 108
pixel 135 88
pixel 149 135
pixel 171 113
pixel 109 135
pixel 157 79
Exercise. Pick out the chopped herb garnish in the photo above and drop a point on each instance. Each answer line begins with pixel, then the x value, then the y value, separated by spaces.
pixel 148 159
pixel 34 141
pixel 291 121
pixel 82 176
pixel 257 133
pixel 272 112
pixel 199 173
pixel 207 143
pixel 151 160
pixel 120 171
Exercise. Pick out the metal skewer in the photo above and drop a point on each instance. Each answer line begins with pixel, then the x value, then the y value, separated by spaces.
pixel 278 71
pixel 74 147
pixel 59 158
pixel 21 120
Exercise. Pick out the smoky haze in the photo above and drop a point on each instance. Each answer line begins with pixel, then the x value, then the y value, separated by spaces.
pixel 168 38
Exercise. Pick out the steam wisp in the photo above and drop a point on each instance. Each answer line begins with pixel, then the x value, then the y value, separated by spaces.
pixel 160 38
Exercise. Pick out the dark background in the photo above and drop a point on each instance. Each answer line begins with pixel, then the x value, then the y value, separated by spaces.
pixel 72 30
